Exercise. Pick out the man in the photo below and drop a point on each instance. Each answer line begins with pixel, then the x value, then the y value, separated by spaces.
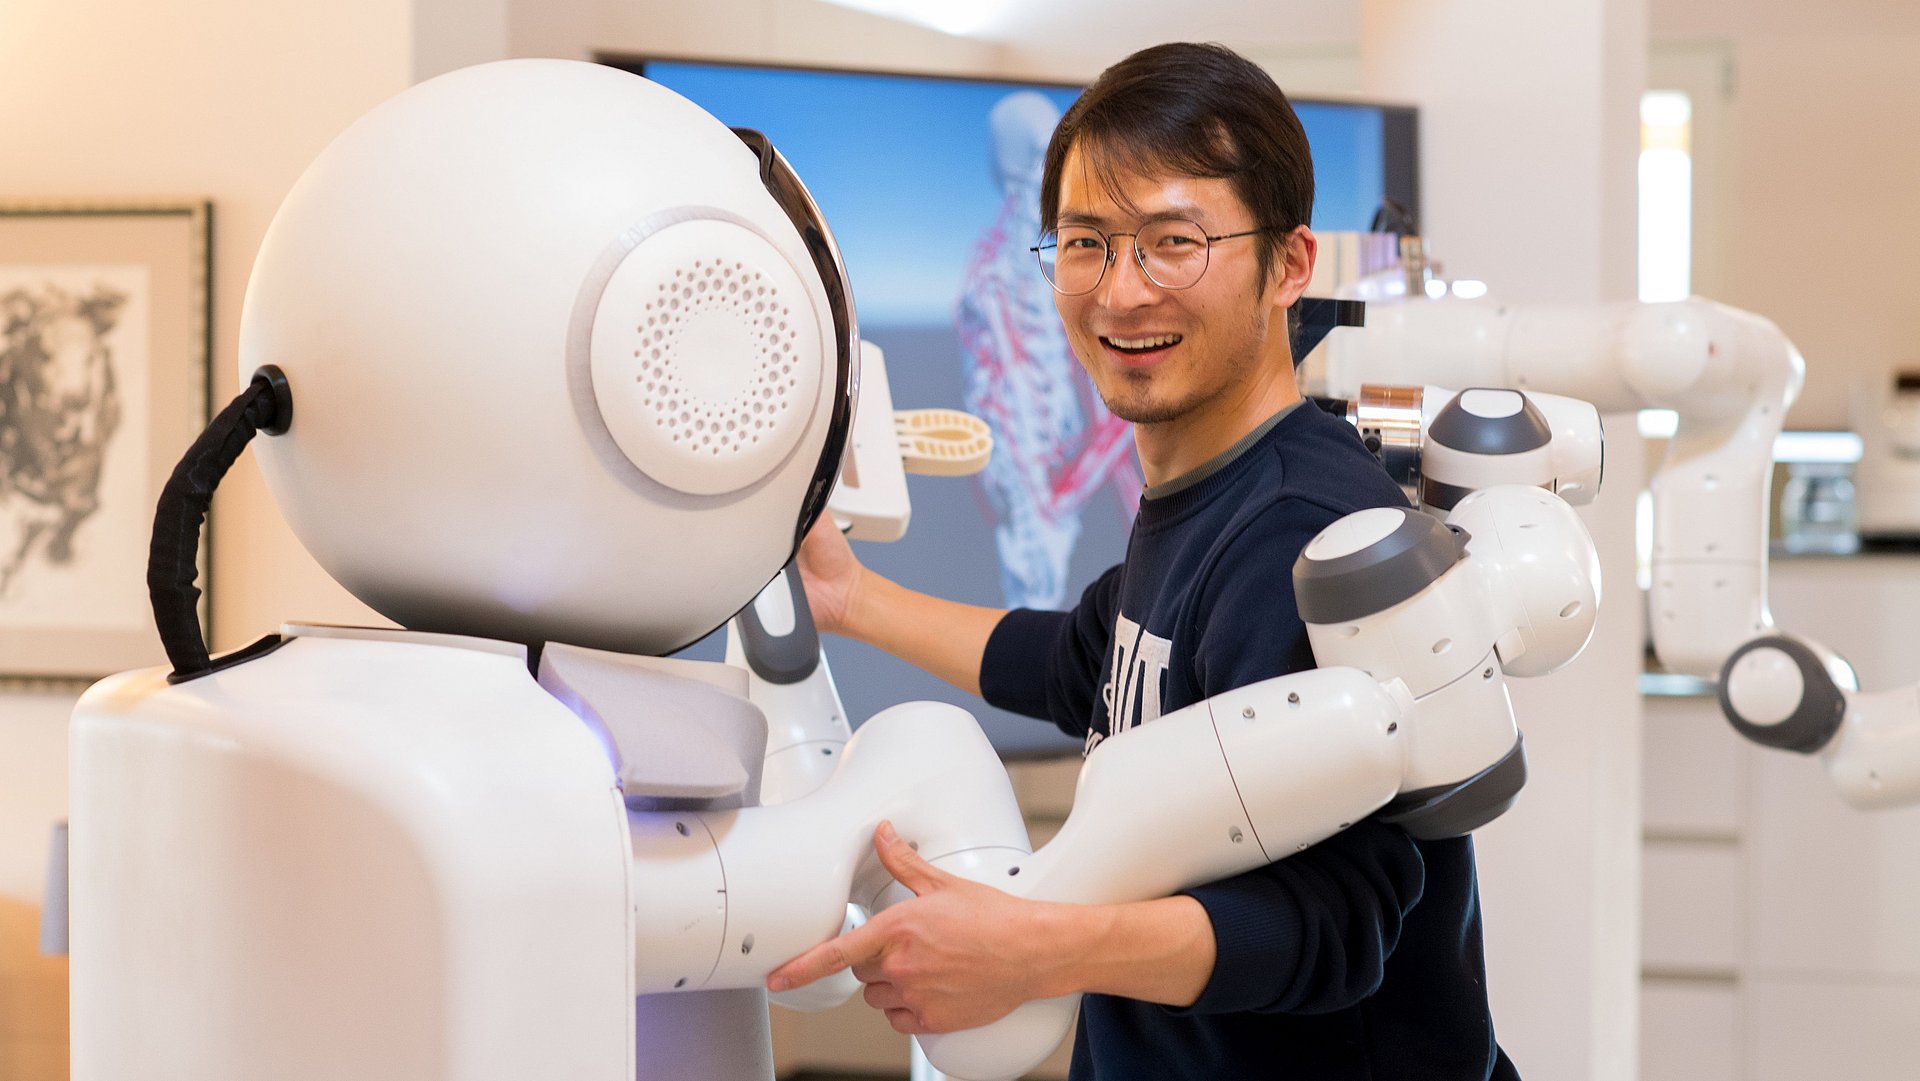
pixel 1177 191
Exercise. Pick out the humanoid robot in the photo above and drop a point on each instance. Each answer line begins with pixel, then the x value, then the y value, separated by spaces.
pixel 554 371
pixel 1730 376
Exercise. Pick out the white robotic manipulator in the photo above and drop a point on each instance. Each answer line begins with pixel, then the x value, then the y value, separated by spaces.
pixel 554 370
pixel 1730 377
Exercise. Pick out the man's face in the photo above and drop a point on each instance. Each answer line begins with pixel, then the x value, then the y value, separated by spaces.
pixel 1157 354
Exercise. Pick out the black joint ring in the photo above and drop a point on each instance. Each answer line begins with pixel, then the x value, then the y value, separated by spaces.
pixel 1822 708
pixel 282 398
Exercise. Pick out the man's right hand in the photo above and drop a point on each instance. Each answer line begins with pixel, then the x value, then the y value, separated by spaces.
pixel 831 572
pixel 941 636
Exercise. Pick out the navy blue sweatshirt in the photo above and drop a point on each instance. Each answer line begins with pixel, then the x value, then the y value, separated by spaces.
pixel 1356 960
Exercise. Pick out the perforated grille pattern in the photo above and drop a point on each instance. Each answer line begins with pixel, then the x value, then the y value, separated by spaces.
pixel 746 298
pixel 707 357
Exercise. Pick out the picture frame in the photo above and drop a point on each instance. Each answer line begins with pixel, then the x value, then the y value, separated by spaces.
pixel 105 348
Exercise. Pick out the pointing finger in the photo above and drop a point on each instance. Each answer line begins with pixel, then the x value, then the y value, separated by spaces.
pixel 906 865
pixel 855 947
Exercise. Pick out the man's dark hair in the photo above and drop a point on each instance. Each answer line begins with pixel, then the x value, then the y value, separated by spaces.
pixel 1191 110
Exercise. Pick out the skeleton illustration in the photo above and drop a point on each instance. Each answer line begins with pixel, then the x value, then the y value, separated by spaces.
pixel 1055 444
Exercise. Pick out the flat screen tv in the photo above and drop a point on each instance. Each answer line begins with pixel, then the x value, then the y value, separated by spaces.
pixel 929 186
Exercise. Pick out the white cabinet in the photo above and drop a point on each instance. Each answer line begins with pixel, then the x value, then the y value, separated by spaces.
pixel 1780 940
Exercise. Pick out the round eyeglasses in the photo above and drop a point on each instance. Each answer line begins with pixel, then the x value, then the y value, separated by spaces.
pixel 1172 252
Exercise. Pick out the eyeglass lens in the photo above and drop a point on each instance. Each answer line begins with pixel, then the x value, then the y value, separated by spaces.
pixel 1173 253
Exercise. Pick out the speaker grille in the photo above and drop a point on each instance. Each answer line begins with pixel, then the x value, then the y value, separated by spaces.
pixel 746 298
pixel 707 356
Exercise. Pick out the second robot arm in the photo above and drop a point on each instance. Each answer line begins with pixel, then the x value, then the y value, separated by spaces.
pixel 1730 376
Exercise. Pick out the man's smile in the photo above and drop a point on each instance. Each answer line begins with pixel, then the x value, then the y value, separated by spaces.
pixel 1141 346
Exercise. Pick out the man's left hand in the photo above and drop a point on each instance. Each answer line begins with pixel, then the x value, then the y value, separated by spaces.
pixel 958 955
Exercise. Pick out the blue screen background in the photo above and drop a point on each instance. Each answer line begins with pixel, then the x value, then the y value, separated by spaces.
pixel 899 166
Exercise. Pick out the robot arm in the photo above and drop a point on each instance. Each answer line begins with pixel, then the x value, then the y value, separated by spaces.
pixel 1415 621
pixel 1792 694
pixel 774 638
pixel 1730 376
pixel 1440 445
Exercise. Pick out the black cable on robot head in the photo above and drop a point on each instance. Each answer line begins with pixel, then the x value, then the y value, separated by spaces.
pixel 173 557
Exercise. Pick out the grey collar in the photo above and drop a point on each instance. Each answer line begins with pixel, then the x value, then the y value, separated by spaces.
pixel 1216 463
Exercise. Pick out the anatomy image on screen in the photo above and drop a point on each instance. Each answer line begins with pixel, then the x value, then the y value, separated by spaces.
pixel 1055 443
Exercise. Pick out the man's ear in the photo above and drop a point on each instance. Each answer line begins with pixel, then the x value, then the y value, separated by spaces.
pixel 1293 266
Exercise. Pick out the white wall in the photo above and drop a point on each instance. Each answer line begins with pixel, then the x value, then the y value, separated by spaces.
pixel 1814 165
pixel 1827 171
pixel 784 31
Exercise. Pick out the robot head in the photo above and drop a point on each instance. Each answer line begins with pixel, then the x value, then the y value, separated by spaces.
pixel 570 360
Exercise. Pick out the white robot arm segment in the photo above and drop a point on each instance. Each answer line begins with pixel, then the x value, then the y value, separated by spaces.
pixel 1795 695
pixel 721 898
pixel 1439 445
pixel 1262 772
pixel 1730 376
pixel 774 642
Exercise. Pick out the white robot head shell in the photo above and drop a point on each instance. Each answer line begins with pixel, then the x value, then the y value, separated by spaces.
pixel 570 360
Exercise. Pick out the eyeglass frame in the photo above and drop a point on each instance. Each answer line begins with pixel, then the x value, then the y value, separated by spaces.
pixel 1139 256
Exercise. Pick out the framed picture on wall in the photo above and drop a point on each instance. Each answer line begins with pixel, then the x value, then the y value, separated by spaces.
pixel 104 352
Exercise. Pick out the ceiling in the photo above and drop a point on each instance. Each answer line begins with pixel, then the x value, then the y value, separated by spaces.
pixel 1112 27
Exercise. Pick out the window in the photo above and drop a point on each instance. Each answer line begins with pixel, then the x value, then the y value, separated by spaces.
pixel 1666 196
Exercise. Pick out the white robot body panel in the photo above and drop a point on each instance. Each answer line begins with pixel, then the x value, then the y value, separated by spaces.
pixel 679 902
pixel 599 334
pixel 1460 729
pixel 807 721
pixel 346 859
pixel 1578 450
pixel 433 875
pixel 1426 641
pixel 1522 599
pixel 1442 461
pixel 1537 565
